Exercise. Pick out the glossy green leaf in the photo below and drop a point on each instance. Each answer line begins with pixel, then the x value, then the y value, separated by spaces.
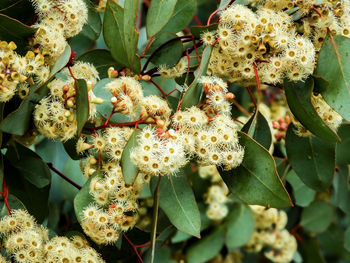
pixel 13 30
pixel 197 31
pixel 21 10
pixel 206 248
pixel 256 181
pixel 101 59
pixel 158 15
pixel 194 92
pixel 334 66
pixel 240 226
pixel 298 96
pixel 170 54
pixel 312 159
pixel 72 170
pixel 29 165
pixel 177 200
pixel 317 217
pixel 82 200
pixel 129 169
pixel 343 147
pixel 303 195
pixel 182 16
pixel 92 27
pixel 120 33
pixel 82 103
pixel 341 184
pixel 258 128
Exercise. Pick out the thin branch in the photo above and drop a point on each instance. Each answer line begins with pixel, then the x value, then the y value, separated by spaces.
pixel 159 88
pixel 155 220
pixel 50 165
pixel 133 248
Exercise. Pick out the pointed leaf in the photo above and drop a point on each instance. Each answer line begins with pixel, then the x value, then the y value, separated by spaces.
pixel 158 15
pixel 119 32
pixel 312 159
pixel 303 195
pixel 82 103
pixel 256 181
pixel 298 96
pixel 258 128
pixel 82 200
pixel 317 217
pixel 341 186
pixel 334 66
pixel 177 200
pixel 93 25
pixel 194 92
pixel 129 169
pixel 240 226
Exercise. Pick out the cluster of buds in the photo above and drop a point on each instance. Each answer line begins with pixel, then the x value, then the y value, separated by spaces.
pixel 26 241
pixel 280 127
pixel 17 73
pixel 270 232
pixel 266 39
pixel 55 115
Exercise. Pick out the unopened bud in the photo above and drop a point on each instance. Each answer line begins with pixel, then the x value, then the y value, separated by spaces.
pixel 136 77
pixel 160 123
pixel 66 88
pixel 92 161
pixel 283 126
pixel 112 73
pixel 70 118
pixel 287 118
pixel 114 100
pixel 146 77
pixel 67 113
pixel 275 125
pixel 160 132
pixel 89 85
pixel 230 96
pixel 12 45
pixel 97 100
pixel 70 103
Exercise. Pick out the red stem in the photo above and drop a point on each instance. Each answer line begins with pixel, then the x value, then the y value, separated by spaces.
pixel 147 47
pixel 133 248
pixel 172 91
pixel 256 77
pixel 5 195
pixel 71 73
pixel 211 16
pixel 50 165
pixel 131 123
pixel 195 48
pixel 143 245
pixel 159 88
pixel 318 12
pixel 251 96
pixel 110 115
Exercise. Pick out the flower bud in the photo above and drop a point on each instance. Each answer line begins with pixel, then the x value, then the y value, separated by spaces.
pixel 97 100
pixel 112 73
pixel 12 45
pixel 70 103
pixel 146 77
pixel 230 96
pixel 89 85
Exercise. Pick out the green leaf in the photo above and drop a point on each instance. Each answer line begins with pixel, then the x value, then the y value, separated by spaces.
pixel 347 239
pixel 13 30
pixel 158 15
pixel 72 170
pixel 197 31
pixel 129 169
pixel 20 10
pixel 182 16
pixel 92 27
pixel 170 54
pixel 258 128
pixel 194 92
pixel 82 104
pixel 343 147
pixel 240 226
pixel 312 159
pixel 256 181
pixel 101 59
pixel 177 200
pixel 82 200
pixel 334 66
pixel 120 34
pixel 14 203
pixel 341 186
pixel 206 248
pixel 298 96
pixel 29 165
pixel 303 195
pixel 70 147
pixel 317 217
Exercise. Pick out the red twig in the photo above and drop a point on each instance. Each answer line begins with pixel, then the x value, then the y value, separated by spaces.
pixel 5 195
pixel 71 73
pixel 147 47
pixel 133 248
pixel 211 16
pixel 110 115
pixel 256 77
pixel 131 123
pixel 159 88
pixel 318 12
pixel 196 20
pixel 195 48
pixel 236 120
pixel 251 97
pixel 172 91
pixel 143 245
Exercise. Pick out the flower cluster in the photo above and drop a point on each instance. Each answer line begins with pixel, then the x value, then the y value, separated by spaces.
pixel 330 117
pixel 26 242
pixel 206 132
pixel 17 73
pixel 177 71
pixel 114 207
pixel 58 20
pixel 216 196
pixel 55 115
pixel 267 38
pixel 270 231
